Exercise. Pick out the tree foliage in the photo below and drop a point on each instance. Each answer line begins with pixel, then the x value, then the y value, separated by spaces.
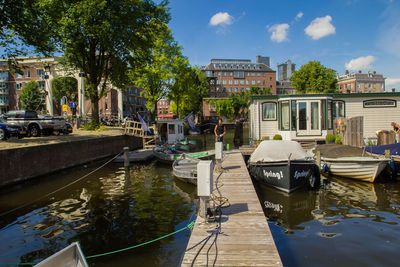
pixel 159 69
pixel 314 78
pixel 64 86
pixel 31 97
pixel 102 39
pixel 187 91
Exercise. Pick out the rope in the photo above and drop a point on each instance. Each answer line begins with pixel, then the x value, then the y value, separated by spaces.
pixel 189 226
pixel 59 189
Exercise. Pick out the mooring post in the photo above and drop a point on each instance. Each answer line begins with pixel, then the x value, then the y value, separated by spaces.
pixel 387 153
pixel 126 159
pixel 318 159
pixel 204 185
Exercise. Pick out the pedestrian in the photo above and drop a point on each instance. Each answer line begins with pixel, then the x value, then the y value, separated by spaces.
pixel 219 131
pixel 396 129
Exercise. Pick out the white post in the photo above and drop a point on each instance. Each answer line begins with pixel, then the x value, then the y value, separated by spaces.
pixel 218 155
pixel 204 185
pixel 120 105
pixel 49 99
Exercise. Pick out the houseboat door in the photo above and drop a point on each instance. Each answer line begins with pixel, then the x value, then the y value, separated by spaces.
pixel 308 117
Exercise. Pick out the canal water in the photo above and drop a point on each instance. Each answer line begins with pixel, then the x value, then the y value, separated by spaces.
pixel 106 211
pixel 345 223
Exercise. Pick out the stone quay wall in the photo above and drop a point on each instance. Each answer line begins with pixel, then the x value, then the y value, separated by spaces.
pixel 22 163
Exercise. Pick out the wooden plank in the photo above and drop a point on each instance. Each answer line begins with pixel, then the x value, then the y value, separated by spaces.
pixel 244 238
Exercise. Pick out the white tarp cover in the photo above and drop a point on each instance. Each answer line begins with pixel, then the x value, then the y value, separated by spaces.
pixel 278 150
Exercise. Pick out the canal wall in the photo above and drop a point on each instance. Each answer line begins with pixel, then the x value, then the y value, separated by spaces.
pixel 19 164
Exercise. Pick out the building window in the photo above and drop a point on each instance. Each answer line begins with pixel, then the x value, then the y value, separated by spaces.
pixel 236 90
pixel 253 82
pixel 258 74
pixel 369 86
pixel 242 90
pixel 268 111
pixel 230 89
pixel 223 81
pixel 40 74
pixel 247 82
pixel 241 82
pixel 18 86
pixel 3 75
pixel 247 74
pixel 358 85
pixel 230 73
pixel 264 74
pixel 27 74
pixel 236 82
pixel 238 74
pixel 42 86
pixel 263 82
pixel 223 74
pixel 270 86
pixel 253 74
pixel 258 82
pixel 229 81
pixel 18 75
pixel 270 78
pixel 106 106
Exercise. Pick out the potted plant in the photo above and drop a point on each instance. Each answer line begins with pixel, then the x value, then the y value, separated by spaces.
pixel 338 140
pixel 330 138
pixel 277 137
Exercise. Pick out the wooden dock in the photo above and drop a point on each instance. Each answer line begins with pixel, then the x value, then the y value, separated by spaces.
pixel 243 237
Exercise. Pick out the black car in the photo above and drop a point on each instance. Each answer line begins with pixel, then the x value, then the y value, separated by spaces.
pixel 8 130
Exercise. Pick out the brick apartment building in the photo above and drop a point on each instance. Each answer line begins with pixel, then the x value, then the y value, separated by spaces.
pixel 163 111
pixel 227 76
pixel 116 103
pixel 359 82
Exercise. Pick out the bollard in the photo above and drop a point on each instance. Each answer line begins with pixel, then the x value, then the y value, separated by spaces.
pixel 218 155
pixel 204 185
pixel 126 158
pixel 318 159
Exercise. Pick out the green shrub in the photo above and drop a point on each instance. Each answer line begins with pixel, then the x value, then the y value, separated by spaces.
pixel 338 140
pixel 277 137
pixel 330 138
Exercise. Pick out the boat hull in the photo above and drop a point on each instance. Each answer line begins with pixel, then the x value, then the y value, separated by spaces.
pixel 285 176
pixel 358 168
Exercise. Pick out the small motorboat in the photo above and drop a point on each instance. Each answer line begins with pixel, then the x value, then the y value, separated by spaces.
pixel 284 165
pixel 394 150
pixel 366 168
pixel 69 256
pixel 168 154
pixel 139 155
pixel 185 168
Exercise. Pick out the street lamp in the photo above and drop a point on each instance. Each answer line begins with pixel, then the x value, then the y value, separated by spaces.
pixel 82 94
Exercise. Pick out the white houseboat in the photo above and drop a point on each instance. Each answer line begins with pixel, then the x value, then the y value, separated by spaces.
pixel 311 117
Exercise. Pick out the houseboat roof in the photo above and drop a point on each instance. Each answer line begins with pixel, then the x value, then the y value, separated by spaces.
pixel 333 95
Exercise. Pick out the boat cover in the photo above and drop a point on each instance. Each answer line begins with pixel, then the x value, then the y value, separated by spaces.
pixel 380 150
pixel 278 150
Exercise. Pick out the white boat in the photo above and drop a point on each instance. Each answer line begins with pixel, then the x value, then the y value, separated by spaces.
pixel 137 156
pixel 69 256
pixel 167 155
pixel 356 167
pixel 185 168
pixel 283 165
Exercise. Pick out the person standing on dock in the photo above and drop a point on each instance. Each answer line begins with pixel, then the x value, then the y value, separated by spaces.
pixel 219 131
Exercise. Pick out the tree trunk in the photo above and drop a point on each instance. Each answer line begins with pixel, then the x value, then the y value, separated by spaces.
pixel 95 110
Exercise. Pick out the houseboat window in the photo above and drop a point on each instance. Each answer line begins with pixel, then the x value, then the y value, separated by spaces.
pixel 179 129
pixel 329 115
pixel 294 114
pixel 323 114
pixel 171 128
pixel 314 115
pixel 285 116
pixel 302 116
pixel 338 109
pixel 268 111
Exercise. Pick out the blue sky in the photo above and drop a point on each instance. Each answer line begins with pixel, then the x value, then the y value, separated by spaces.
pixel 341 34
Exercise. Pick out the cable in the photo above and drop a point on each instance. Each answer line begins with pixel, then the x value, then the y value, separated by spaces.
pixel 59 189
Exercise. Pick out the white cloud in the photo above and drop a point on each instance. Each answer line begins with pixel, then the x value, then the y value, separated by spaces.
pixel 279 32
pixel 299 16
pixel 320 27
pixel 392 83
pixel 361 63
pixel 221 18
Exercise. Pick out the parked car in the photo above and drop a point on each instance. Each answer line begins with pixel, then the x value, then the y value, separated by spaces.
pixel 34 123
pixel 7 130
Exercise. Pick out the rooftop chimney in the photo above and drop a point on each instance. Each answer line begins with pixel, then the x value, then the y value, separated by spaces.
pixel 346 72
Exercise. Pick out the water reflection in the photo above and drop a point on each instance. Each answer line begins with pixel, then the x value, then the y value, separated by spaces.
pixel 345 222
pixel 109 210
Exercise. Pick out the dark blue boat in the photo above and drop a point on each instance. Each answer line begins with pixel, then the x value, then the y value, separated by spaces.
pixel 394 152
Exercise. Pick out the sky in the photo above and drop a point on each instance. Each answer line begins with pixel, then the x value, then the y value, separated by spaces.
pixel 341 34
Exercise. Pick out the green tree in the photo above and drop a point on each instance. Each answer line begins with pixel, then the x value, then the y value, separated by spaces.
pixel 258 91
pixel 314 78
pixel 240 104
pixel 103 39
pixel 31 97
pixel 188 90
pixel 64 86
pixel 160 69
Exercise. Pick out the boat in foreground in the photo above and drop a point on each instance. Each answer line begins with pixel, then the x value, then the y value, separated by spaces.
pixel 137 156
pixel 365 169
pixel 185 168
pixel 69 256
pixel 283 165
